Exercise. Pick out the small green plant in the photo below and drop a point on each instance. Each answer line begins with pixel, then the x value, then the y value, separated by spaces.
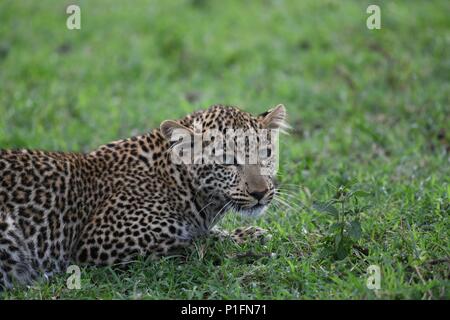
pixel 345 210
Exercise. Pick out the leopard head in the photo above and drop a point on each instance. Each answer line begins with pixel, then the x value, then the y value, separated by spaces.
pixel 230 154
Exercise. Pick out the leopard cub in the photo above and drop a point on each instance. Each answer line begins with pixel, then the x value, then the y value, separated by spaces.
pixel 127 198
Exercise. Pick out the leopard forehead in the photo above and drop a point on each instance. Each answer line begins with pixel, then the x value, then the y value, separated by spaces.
pixel 221 118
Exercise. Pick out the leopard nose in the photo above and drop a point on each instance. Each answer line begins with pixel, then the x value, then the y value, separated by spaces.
pixel 258 195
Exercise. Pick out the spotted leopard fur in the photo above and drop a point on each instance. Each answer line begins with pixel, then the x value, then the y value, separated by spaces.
pixel 125 199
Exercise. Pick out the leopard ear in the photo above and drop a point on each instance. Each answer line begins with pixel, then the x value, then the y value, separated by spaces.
pixel 167 128
pixel 275 118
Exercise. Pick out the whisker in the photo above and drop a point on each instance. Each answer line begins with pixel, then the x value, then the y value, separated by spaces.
pixel 283 202
pixel 218 213
pixel 291 197
pixel 288 200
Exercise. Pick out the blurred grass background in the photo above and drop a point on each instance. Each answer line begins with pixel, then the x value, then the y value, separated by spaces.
pixel 371 104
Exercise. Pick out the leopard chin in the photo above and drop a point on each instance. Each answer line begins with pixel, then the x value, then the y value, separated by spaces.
pixel 253 212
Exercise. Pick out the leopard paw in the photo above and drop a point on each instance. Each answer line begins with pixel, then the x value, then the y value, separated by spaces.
pixel 251 234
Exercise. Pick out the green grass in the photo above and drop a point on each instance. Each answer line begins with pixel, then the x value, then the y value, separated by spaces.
pixel 372 105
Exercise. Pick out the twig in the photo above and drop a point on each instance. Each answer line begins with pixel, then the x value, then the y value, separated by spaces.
pixel 251 254
pixel 423 281
pixel 437 261
pixel 363 250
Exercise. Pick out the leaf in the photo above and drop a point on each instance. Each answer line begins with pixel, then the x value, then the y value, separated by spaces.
pixel 337 240
pixel 326 208
pixel 360 193
pixel 342 251
pixel 360 209
pixel 326 252
pixel 354 230
pixel 336 226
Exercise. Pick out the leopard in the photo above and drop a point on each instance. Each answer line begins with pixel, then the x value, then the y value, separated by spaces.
pixel 127 199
